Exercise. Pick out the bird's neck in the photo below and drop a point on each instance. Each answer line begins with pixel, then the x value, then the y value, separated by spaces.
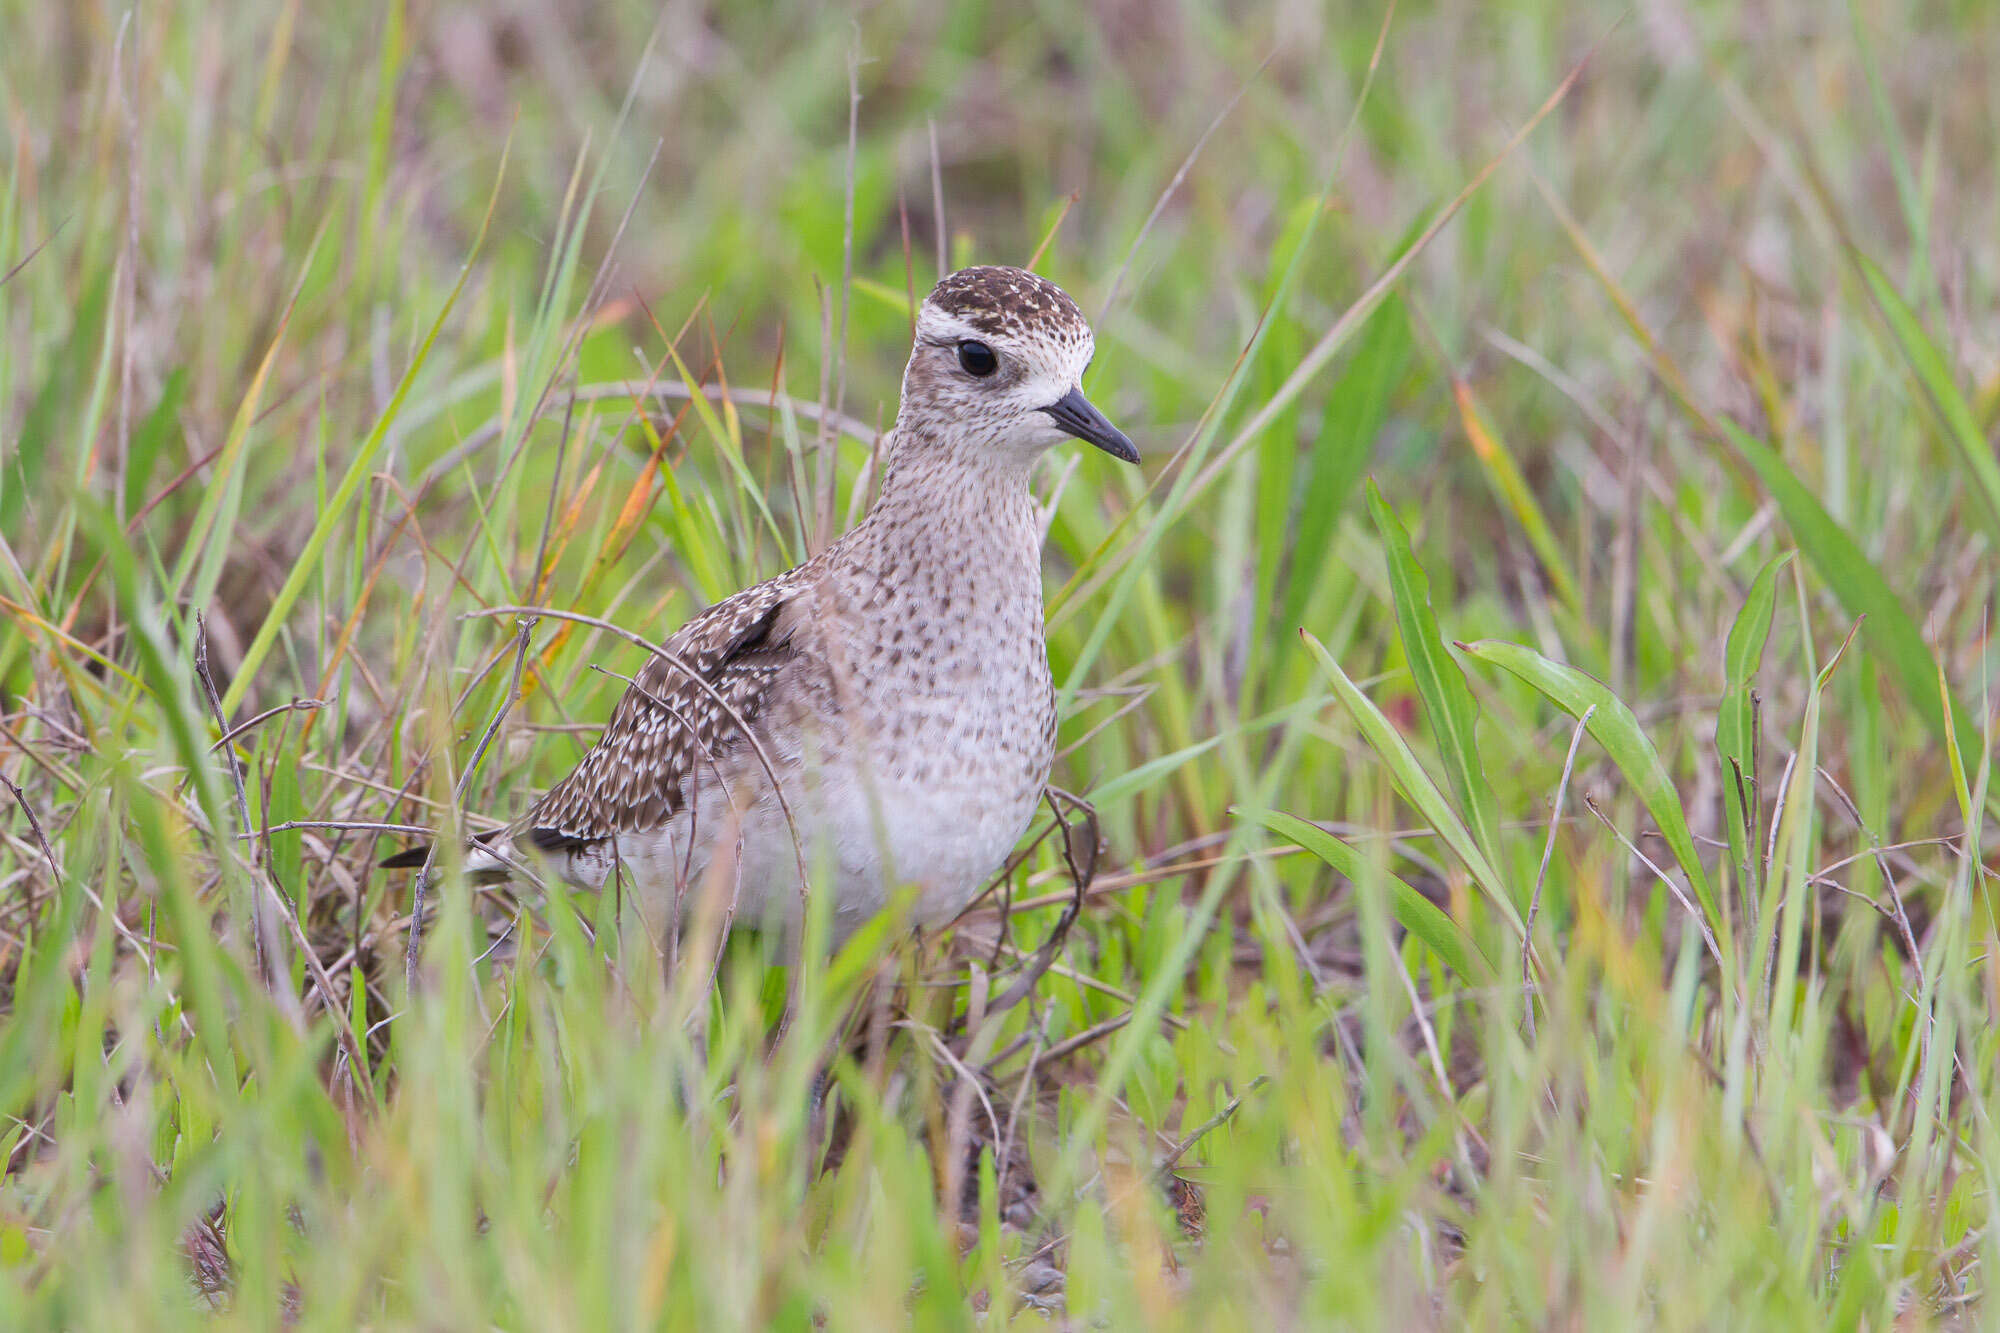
pixel 966 506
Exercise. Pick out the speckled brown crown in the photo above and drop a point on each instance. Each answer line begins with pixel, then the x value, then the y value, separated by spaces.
pixel 1002 300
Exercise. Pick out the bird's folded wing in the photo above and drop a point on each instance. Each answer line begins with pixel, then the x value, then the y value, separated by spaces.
pixel 683 710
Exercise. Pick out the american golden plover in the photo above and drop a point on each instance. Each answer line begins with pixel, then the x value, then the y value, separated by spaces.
pixel 882 714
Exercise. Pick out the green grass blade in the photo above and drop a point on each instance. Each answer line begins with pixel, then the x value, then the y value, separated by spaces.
pixel 1447 699
pixel 1419 915
pixel 1503 474
pixel 1356 409
pixel 1612 726
pixel 39 445
pixel 306 568
pixel 207 549
pixel 731 449
pixel 1734 721
pixel 151 436
pixel 1416 786
pixel 1941 391
pixel 1788 900
pixel 1887 628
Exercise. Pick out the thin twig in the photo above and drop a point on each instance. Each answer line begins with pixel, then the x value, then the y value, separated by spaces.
pixel 958 1117
pixel 937 203
pixel 539 574
pixel 35 827
pixel 1072 1044
pixel 700 681
pixel 1680 896
pixel 507 702
pixel 258 922
pixel 322 982
pixel 57 230
pixel 1207 1127
pixel 522 636
pixel 355 825
pixel 208 690
pixel 1003 1151
pixel 1173 187
pixel 298 705
pixel 1542 873
pixel 1080 877
pixel 1159 1174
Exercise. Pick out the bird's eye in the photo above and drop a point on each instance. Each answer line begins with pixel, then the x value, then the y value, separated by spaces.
pixel 977 358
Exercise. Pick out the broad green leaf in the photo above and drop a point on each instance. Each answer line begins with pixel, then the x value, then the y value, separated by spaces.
pixel 1356 408
pixel 1419 915
pixel 1961 424
pixel 1887 628
pixel 1612 726
pixel 1447 700
pixel 54 408
pixel 1416 785
pixel 1141 776
pixel 1734 722
pixel 150 436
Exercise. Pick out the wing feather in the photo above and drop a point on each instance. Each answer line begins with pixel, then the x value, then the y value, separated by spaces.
pixel 670 722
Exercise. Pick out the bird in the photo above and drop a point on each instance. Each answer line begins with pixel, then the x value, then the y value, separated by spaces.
pixel 882 715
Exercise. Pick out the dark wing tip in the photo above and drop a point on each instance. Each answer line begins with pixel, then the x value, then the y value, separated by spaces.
pixel 410 858
pixel 601 797
pixel 554 840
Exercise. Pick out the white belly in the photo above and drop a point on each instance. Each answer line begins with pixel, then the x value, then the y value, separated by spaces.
pixel 862 842
pixel 916 763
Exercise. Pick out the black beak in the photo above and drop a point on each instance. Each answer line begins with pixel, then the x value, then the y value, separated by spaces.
pixel 1074 415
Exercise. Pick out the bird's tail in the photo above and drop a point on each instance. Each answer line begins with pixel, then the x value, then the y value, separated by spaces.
pixel 485 859
pixel 410 858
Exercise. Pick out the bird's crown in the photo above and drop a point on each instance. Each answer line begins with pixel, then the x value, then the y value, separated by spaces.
pixel 1005 302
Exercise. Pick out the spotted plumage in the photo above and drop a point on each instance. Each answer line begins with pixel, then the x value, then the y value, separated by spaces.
pixel 883 713
pixel 707 683
pixel 1010 301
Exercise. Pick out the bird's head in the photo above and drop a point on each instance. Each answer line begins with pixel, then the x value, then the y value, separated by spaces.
pixel 998 367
